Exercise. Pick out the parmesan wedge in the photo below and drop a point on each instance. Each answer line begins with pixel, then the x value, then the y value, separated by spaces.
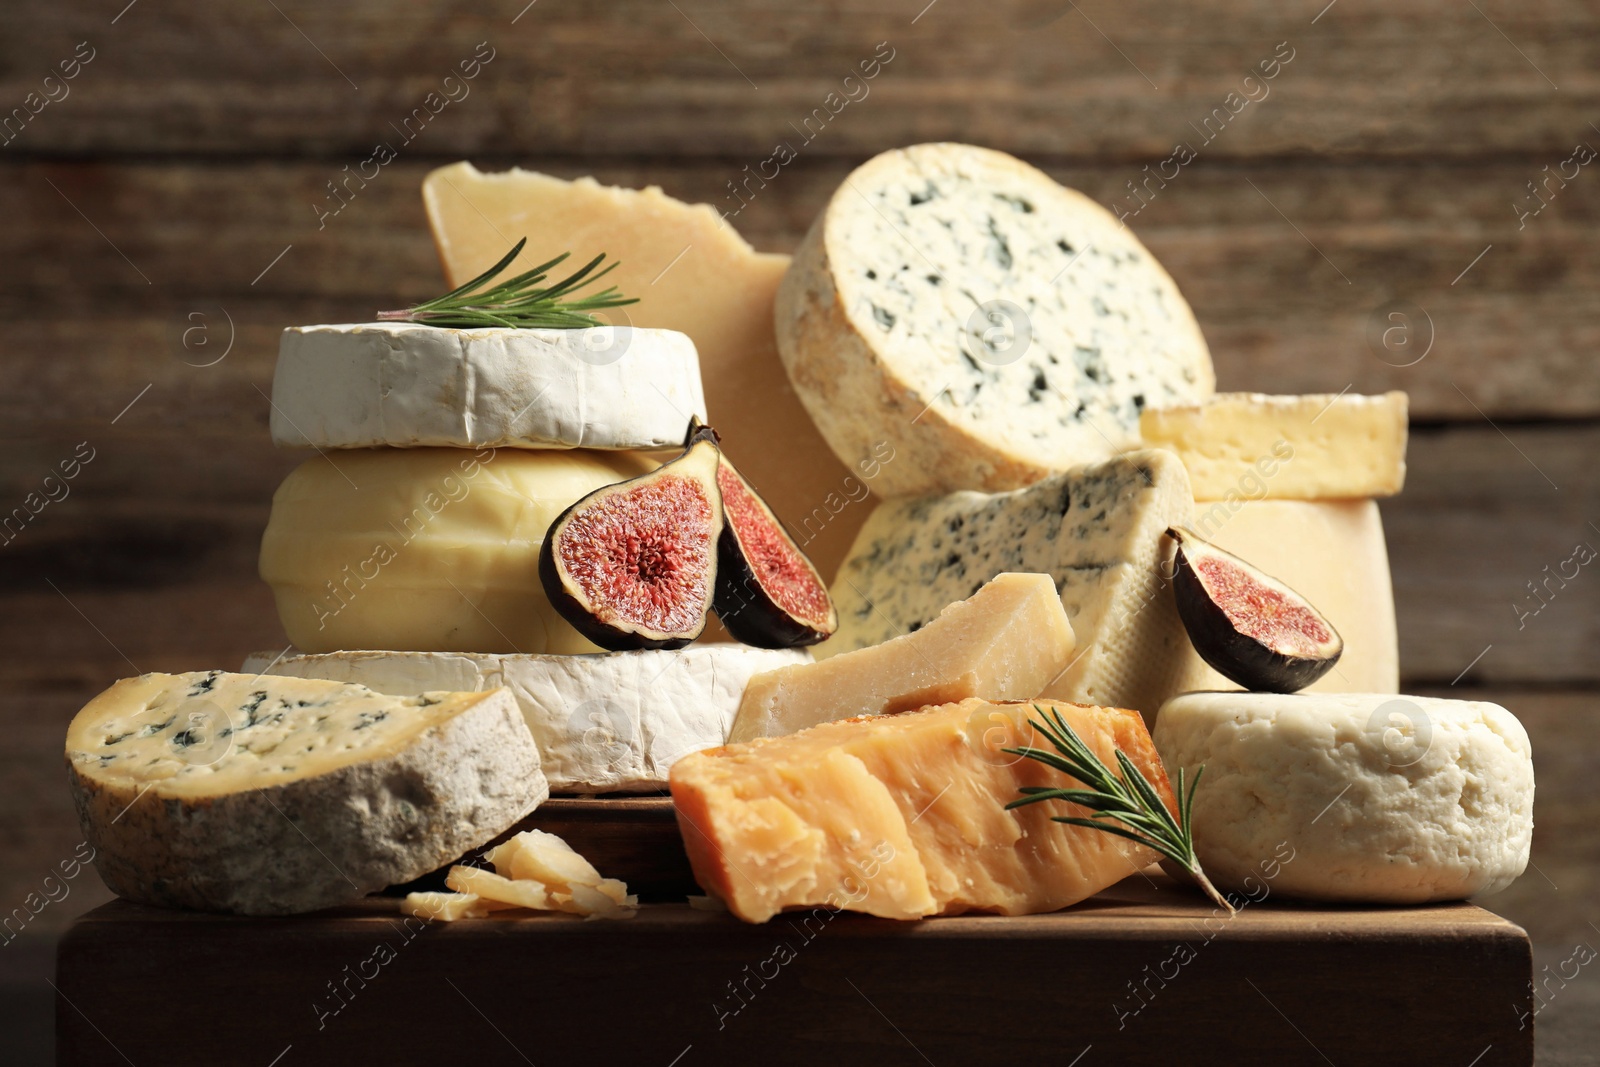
pixel 903 816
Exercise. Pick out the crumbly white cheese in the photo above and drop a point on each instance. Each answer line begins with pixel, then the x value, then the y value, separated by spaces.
pixel 407 385
pixel 606 723
pixel 1376 797
pixel 261 795
pixel 1317 447
pixel 992 325
pixel 1098 531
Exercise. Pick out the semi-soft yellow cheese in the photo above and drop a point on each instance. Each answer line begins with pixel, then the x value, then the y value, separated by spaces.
pixel 693 273
pixel 1331 552
pixel 903 816
pixel 1318 447
pixel 427 549
pixel 1007 641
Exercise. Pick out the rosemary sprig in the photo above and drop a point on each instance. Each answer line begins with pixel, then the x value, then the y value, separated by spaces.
pixel 519 302
pixel 1127 797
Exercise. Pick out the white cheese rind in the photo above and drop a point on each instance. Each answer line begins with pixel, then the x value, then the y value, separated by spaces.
pixel 1331 552
pixel 1258 447
pixel 406 385
pixel 267 796
pixel 991 325
pixel 1377 798
pixel 1098 531
pixel 607 723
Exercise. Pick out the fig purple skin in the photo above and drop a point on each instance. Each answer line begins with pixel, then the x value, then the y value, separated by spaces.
pixel 1248 626
pixel 634 565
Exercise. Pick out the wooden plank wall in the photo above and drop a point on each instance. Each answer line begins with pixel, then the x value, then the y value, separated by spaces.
pixel 164 217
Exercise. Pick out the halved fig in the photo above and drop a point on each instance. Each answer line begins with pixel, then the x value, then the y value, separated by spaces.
pixel 1251 628
pixel 768 592
pixel 634 565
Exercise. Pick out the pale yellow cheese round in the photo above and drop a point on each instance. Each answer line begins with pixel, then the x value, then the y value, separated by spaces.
pixel 427 549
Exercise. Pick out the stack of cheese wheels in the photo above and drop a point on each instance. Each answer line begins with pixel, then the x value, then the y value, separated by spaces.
pixel 404 554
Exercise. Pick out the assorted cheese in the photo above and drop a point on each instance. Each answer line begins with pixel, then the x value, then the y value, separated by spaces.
pixel 265 796
pixel 691 272
pixel 605 723
pixel 426 549
pixel 1317 447
pixel 902 816
pixel 1098 531
pixel 1007 641
pixel 405 385
pixel 1022 384
pixel 1377 798
pixel 990 324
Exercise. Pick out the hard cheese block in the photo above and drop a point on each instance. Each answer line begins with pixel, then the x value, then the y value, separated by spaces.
pixel 227 792
pixel 1331 552
pixel 1006 642
pixel 692 273
pixel 606 723
pixel 405 385
pixel 902 816
pixel 991 325
pixel 1098 531
pixel 427 549
pixel 1318 447
pixel 1354 796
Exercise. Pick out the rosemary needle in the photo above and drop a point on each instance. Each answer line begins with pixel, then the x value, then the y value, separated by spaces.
pixel 1126 797
pixel 520 302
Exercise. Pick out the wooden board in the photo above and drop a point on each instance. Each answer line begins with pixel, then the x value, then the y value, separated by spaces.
pixel 1142 974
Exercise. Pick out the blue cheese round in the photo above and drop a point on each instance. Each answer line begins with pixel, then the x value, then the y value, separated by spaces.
pixel 990 325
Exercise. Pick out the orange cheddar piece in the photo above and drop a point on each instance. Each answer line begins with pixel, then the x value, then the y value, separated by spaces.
pixel 903 816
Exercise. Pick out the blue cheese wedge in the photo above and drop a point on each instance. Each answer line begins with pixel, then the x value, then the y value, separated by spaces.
pixel 990 325
pixel 1098 531
pixel 406 385
pixel 265 796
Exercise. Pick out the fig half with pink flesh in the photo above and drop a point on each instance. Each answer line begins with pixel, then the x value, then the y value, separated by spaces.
pixel 1251 628
pixel 634 565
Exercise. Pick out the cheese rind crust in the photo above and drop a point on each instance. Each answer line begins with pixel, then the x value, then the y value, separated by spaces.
pixel 197 793
pixel 1378 798
pixel 605 723
pixel 406 385
pixel 990 324
pixel 1098 531
pixel 903 816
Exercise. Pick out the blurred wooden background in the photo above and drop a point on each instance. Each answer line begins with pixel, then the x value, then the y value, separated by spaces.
pixel 162 210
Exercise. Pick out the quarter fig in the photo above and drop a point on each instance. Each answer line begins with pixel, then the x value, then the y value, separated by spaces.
pixel 1250 627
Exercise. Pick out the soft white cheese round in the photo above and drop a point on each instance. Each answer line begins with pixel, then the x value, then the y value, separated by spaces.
pixel 407 385
pixel 427 549
pixel 1354 796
